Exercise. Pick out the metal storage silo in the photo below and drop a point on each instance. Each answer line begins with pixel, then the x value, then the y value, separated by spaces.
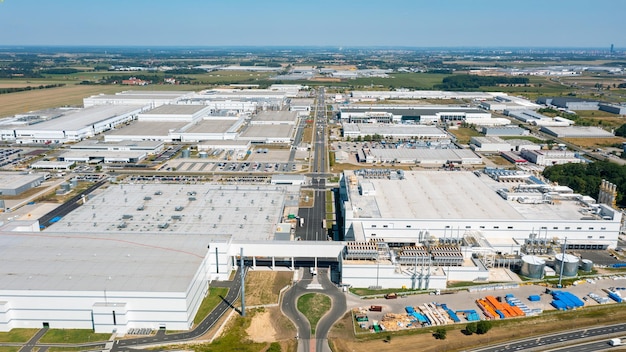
pixel 186 153
pixel 203 155
pixel 532 267
pixel 2 204
pixel 586 265
pixel 569 263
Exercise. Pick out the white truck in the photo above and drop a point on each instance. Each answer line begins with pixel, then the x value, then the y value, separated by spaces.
pixel 615 342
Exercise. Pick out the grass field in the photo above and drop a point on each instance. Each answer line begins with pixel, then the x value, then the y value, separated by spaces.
pixel 17 335
pixel 263 287
pixel 463 134
pixel 209 302
pixel 9 349
pixel 314 306
pixel 72 336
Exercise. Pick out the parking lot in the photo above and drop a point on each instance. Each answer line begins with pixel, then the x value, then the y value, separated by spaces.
pixel 9 157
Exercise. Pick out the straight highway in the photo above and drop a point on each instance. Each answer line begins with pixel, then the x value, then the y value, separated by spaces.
pixel 557 340
pixel 314 217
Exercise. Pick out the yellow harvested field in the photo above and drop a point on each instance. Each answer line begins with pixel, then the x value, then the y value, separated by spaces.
pixel 70 95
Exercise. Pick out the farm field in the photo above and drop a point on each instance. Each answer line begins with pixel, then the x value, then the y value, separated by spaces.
pixel 70 95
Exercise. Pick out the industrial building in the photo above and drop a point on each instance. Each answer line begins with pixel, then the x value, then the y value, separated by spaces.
pixel 419 229
pixel 149 99
pixel 355 130
pixel 66 125
pixel 420 156
pixel 537 119
pixel 504 131
pixel 550 157
pixel 175 113
pixel 415 114
pixel 505 102
pixel 489 144
pixel 274 118
pixel 15 183
pixel 103 267
pixel 577 132
pixel 418 94
pixel 569 103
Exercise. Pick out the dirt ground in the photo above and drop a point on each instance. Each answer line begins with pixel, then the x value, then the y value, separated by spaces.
pixel 595 142
pixel 263 287
pixel 270 325
pixel 342 336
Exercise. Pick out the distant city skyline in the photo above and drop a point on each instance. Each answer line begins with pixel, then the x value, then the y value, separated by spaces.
pixel 339 23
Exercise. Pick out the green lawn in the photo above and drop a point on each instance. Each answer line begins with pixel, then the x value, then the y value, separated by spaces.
pixel 72 336
pixel 210 302
pixel 17 335
pixel 314 306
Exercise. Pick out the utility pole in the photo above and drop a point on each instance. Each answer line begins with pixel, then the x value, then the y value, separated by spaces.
pixel 243 287
pixel 562 261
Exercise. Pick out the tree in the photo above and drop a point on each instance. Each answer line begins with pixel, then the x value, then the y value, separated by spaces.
pixel 440 334
pixel 471 328
pixel 621 130
pixel 483 326
pixel 388 338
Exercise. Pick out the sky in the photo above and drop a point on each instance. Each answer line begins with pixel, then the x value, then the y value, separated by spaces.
pixel 340 23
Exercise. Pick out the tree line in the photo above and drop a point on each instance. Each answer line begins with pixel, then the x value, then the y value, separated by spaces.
pixel 27 88
pixel 585 178
pixel 467 82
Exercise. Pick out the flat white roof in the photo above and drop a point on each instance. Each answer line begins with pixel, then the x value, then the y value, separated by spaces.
pixel 451 195
pixel 90 261
pixel 244 212
pixel 77 119
pixel 212 126
pixel 148 128
pixel 394 129
pixel 175 109
pixel 14 180
pixel 268 131
pixel 276 116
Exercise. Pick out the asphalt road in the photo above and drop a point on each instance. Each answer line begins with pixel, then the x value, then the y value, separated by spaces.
pixel 68 206
pixel 313 217
pixel 594 346
pixel 338 309
pixel 556 340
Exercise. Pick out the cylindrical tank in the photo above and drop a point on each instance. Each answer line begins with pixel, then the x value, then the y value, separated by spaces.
pixel 2 204
pixel 569 263
pixel 73 183
pixel 586 265
pixel 532 267
pixel 203 155
pixel 65 186
pixel 186 153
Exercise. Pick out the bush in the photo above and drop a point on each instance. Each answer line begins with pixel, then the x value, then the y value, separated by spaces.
pixel 440 334
pixel 483 326
pixel 471 328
